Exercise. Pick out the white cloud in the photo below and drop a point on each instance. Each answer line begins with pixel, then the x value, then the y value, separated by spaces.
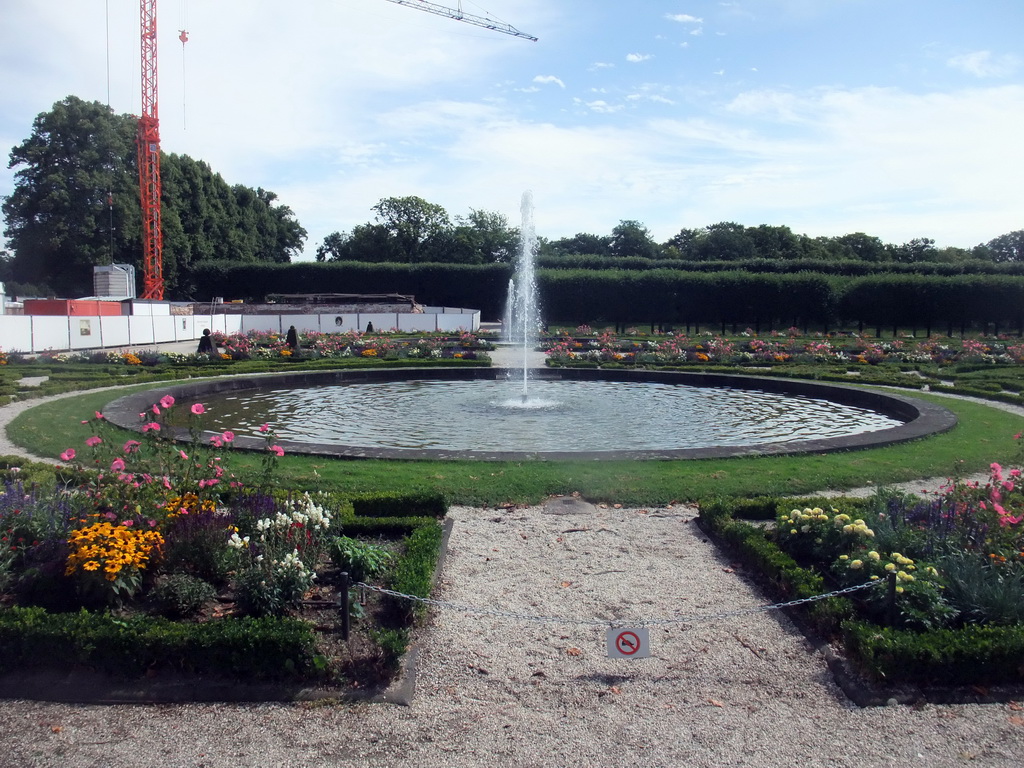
pixel 985 64
pixel 600 106
pixel 636 58
pixel 602 65
pixel 684 18
pixel 549 80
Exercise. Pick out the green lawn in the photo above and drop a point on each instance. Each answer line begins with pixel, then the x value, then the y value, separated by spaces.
pixel 983 435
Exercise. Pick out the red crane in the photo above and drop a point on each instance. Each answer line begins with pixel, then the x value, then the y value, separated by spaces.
pixel 149 132
pixel 149 161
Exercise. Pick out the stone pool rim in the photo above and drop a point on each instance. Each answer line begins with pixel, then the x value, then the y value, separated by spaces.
pixel 920 418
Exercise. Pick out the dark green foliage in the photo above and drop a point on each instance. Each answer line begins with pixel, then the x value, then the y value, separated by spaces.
pixel 256 649
pixel 414 572
pixel 424 504
pixel 75 205
pixel 982 591
pixel 180 595
pixel 360 559
pixel 972 655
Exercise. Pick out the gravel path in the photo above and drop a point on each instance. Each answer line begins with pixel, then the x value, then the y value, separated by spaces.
pixel 493 690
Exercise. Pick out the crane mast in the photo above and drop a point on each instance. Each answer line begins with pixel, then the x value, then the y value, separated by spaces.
pixel 148 137
pixel 458 15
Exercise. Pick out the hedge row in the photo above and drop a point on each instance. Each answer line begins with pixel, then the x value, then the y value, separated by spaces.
pixel 763 300
pixel 844 267
pixel 251 648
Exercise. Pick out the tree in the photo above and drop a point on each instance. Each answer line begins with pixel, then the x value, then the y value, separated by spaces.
pixel 416 226
pixel 726 241
pixel 484 237
pixel 917 250
pixel 581 244
pixel 861 246
pixel 631 238
pixel 75 199
pixel 1006 248
pixel 76 205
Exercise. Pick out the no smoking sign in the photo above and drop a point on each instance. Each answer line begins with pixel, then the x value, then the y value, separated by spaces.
pixel 628 643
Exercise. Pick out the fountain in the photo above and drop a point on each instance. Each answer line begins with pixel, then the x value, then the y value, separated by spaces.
pixel 522 312
pixel 574 413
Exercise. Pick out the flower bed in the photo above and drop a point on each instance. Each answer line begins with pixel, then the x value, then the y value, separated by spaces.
pixel 948 607
pixel 152 555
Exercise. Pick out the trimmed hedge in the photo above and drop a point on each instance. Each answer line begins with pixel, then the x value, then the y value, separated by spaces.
pixel 424 504
pixel 262 649
pixel 973 655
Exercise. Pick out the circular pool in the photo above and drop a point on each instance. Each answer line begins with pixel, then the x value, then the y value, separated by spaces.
pixel 482 413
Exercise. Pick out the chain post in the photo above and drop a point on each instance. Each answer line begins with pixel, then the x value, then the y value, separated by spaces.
pixel 346 612
pixel 890 599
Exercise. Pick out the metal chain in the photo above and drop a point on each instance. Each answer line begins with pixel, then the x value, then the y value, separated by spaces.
pixel 464 608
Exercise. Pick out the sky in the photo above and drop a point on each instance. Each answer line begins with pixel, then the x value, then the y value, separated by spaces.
pixel 898 118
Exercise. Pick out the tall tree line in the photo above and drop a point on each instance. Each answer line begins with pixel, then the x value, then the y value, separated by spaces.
pixel 75 205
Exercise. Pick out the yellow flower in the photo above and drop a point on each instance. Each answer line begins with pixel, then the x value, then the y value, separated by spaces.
pixel 874 555
pixel 890 567
pixel 856 564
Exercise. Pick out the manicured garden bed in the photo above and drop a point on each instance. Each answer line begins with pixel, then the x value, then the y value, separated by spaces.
pixel 153 558
pixel 941 611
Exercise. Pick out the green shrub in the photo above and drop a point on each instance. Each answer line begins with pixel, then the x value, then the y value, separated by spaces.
pixel 360 559
pixel 425 504
pixel 414 571
pixel 257 649
pixel 180 595
pixel 972 655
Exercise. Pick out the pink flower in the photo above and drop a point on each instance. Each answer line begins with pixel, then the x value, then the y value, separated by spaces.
pixel 276 449
pixel 129 523
pixel 228 436
pixel 117 465
pixel 1008 485
pixel 93 441
pixel 264 427
pixel 216 442
pixel 166 401
pixel 68 455
pixel 167 482
pixel 156 410
pixel 132 446
pixel 183 454
pixel 98 414
pixel 151 426
pixel 198 409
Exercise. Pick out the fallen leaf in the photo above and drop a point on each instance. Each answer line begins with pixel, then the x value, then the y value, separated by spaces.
pixel 615 689
pixel 727 570
pixel 574 652
pixel 642 512
pixel 523 535
pixel 56 728
pixel 1016 720
pixel 715 703
pixel 1013 706
pixel 617 506
pixel 566 583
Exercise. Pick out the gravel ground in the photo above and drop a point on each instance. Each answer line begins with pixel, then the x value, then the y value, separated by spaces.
pixel 503 690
